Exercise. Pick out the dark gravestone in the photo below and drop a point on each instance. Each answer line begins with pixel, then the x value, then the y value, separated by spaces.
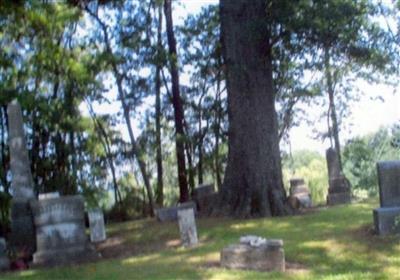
pixel 204 197
pixel 4 261
pixel 300 196
pixel 389 183
pixel 339 187
pixel 60 231
pixel 22 238
pixel 169 214
pixel 387 217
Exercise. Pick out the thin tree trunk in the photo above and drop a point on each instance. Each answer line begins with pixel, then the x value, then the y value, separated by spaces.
pixel 200 164
pixel 107 148
pixel 253 183
pixel 217 131
pixel 160 184
pixel 125 108
pixel 332 107
pixel 177 103
pixel 191 171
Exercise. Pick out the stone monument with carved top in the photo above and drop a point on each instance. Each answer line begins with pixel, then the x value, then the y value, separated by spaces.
pixel 22 238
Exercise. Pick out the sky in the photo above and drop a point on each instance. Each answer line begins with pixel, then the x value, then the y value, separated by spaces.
pixel 366 115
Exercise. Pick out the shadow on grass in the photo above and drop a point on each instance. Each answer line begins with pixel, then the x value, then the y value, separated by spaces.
pixel 334 243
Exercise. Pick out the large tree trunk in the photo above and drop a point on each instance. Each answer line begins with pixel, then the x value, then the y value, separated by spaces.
pixel 253 178
pixel 332 108
pixel 177 103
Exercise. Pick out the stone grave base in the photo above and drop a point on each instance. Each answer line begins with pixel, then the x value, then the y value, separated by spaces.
pixel 4 263
pixel 67 256
pixel 171 213
pixel 338 198
pixel 384 220
pixel 22 236
pixel 244 256
pixel 299 194
pixel 302 200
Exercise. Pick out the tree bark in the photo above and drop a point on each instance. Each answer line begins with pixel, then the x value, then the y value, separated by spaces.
pixel 160 184
pixel 332 107
pixel 253 183
pixel 177 103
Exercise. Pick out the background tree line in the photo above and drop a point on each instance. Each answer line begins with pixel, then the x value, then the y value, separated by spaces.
pixel 67 61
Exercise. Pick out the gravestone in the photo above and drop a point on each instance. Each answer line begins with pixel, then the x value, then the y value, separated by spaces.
pixel 387 217
pixel 339 187
pixel 187 227
pixel 169 214
pixel 254 253
pixel 300 196
pixel 96 224
pixel 60 231
pixel 4 261
pixel 204 197
pixel 22 238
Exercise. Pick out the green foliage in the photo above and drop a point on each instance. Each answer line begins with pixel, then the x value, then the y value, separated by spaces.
pixel 310 166
pixel 361 154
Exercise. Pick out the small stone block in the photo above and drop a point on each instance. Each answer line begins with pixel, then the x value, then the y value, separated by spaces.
pixel 203 190
pixel 385 220
pixel 187 227
pixel 4 263
pixel 169 214
pixel 96 223
pixel 268 257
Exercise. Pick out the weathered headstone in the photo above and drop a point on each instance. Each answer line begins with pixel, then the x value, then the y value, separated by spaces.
pixel 387 217
pixel 254 253
pixel 22 236
pixel 96 224
pixel 4 261
pixel 171 213
pixel 339 187
pixel 60 231
pixel 204 197
pixel 187 227
pixel 300 196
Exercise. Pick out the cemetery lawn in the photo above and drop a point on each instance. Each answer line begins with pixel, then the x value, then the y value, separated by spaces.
pixel 328 243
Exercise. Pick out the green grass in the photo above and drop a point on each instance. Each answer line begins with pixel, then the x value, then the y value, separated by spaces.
pixel 335 243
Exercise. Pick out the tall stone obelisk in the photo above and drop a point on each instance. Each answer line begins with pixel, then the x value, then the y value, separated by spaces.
pixel 22 229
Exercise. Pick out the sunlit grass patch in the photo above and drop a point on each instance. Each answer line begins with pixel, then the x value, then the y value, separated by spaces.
pixel 329 243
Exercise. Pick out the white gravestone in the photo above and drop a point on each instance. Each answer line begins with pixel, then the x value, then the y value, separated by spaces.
pixel 96 223
pixel 187 227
